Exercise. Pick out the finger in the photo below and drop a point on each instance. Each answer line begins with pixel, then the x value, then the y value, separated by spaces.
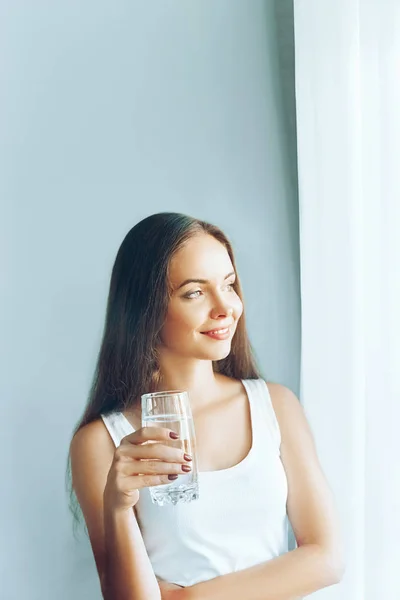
pixel 146 434
pixel 155 451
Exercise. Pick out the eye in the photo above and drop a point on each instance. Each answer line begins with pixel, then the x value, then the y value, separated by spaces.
pixel 191 295
pixel 231 286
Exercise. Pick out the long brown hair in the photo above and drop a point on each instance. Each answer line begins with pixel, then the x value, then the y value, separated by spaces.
pixel 137 305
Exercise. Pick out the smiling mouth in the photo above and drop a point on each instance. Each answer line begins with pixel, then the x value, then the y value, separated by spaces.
pixel 217 331
pixel 218 334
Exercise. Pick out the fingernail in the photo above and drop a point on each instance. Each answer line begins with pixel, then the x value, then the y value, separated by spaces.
pixel 173 435
pixel 172 476
pixel 187 457
pixel 186 468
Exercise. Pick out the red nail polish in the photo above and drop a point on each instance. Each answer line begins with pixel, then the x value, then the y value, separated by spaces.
pixel 173 435
pixel 187 457
pixel 172 477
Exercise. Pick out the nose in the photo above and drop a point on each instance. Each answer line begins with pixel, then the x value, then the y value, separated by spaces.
pixel 221 311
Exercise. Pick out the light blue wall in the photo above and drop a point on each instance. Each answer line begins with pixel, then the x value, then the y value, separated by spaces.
pixel 111 111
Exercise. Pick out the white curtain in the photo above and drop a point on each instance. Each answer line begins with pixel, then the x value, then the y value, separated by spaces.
pixel 348 124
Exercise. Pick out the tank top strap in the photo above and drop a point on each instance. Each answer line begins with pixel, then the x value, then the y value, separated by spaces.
pixel 118 426
pixel 264 419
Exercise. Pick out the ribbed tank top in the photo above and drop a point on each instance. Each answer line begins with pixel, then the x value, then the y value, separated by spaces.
pixel 240 518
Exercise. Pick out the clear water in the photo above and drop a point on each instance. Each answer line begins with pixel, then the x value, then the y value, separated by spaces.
pixel 186 487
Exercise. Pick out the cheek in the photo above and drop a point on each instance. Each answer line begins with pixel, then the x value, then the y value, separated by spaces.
pixel 179 321
pixel 237 306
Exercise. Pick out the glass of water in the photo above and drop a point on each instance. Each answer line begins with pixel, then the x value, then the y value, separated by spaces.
pixel 172 410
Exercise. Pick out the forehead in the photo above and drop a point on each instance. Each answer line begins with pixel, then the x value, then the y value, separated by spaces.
pixel 202 257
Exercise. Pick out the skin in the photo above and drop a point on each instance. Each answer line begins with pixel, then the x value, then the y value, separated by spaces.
pixel 198 307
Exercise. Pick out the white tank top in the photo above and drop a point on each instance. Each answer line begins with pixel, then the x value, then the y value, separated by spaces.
pixel 238 521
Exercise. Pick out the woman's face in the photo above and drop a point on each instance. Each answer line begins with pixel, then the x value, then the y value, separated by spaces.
pixel 202 315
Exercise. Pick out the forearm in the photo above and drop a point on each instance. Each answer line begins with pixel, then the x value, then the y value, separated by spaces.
pixel 290 576
pixel 128 571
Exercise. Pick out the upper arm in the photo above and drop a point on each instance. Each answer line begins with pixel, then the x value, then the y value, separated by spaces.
pixel 310 505
pixel 92 452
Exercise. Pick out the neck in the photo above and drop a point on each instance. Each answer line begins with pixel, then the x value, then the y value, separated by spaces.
pixel 195 376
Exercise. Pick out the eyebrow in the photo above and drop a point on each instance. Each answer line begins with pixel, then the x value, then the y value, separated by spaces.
pixel 202 280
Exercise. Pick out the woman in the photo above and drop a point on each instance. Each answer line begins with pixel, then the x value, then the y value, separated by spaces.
pixel 175 321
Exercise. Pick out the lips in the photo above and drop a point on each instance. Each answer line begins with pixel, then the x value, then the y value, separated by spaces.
pixel 218 331
pixel 218 334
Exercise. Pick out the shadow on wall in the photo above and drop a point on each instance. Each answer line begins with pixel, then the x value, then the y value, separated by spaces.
pixel 284 21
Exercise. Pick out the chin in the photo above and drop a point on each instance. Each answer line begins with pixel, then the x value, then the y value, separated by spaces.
pixel 215 356
pixel 206 352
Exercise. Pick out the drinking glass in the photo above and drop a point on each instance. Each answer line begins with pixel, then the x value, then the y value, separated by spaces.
pixel 172 410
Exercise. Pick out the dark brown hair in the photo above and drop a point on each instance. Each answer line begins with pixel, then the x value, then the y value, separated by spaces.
pixel 137 305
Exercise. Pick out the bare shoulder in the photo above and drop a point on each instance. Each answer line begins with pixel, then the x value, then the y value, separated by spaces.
pixel 280 394
pixel 93 436
pixel 91 452
pixel 287 407
pixel 297 438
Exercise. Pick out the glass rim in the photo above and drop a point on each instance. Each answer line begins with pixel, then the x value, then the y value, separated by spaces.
pixel 160 394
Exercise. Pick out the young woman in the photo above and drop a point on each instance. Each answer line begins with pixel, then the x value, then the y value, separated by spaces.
pixel 175 321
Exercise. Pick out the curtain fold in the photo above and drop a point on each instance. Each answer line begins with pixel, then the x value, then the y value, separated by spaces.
pixel 348 130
